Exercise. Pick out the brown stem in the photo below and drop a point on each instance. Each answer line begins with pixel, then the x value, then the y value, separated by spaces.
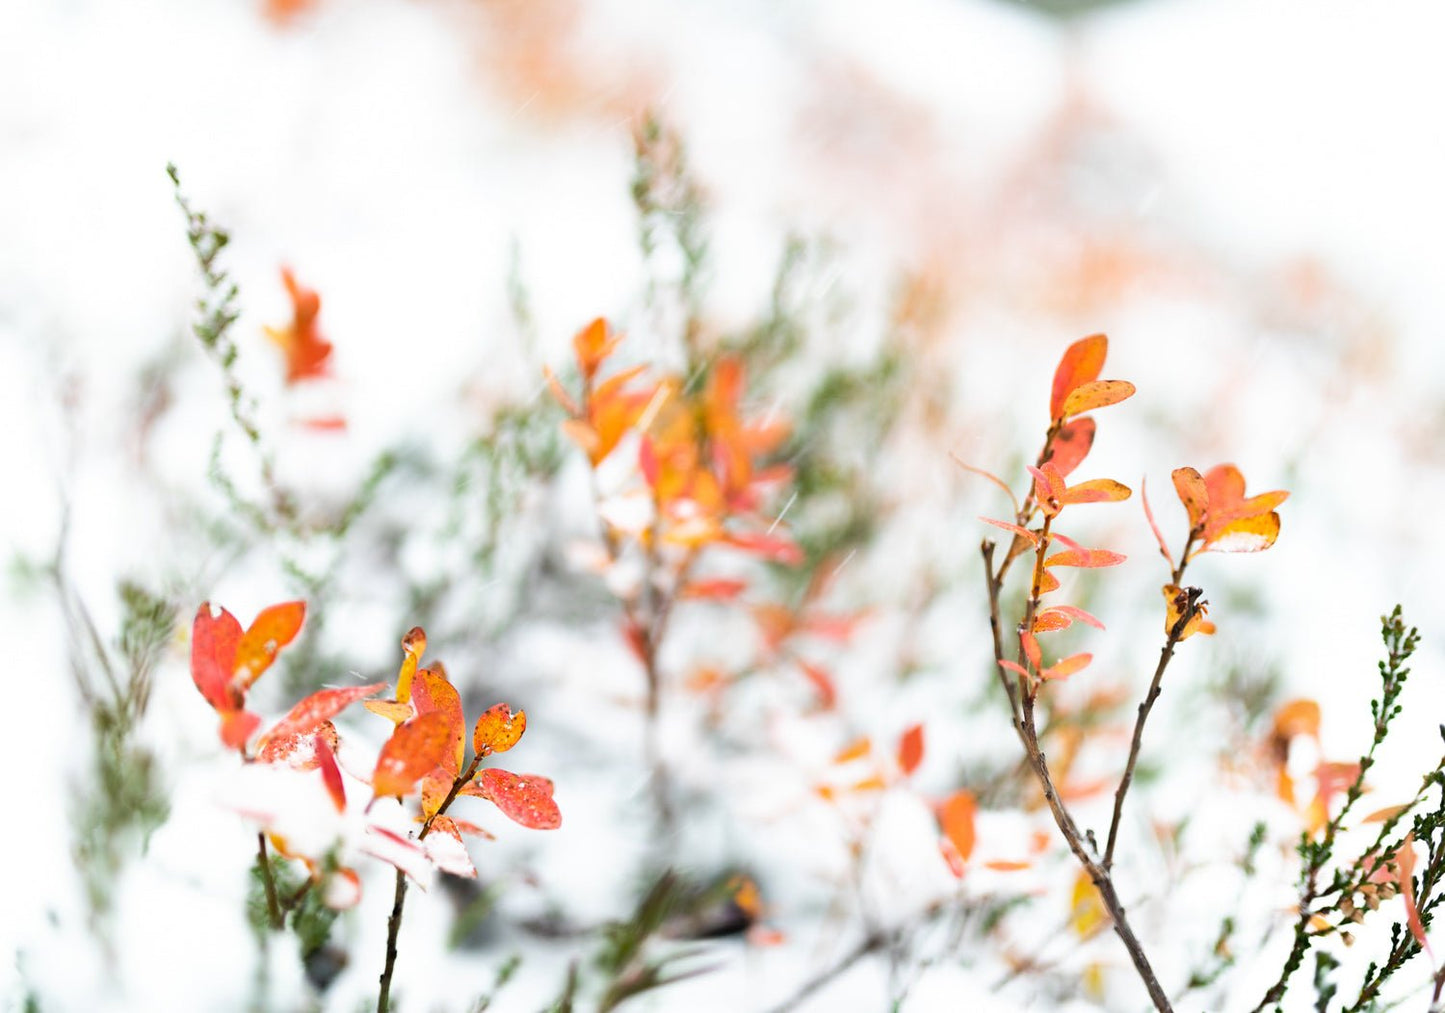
pixel 393 924
pixel 273 903
pixel 1176 633
pixel 1026 726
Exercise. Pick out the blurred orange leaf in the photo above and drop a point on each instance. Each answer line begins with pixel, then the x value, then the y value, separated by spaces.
pixel 956 818
pixel 306 352
pixel 910 750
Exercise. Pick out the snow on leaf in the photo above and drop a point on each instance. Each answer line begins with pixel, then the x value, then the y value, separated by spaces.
pixel 433 694
pixel 1081 363
pixel 1247 534
pixel 274 628
pixel 498 729
pixel 523 798
pixel 1096 394
pixel 213 656
pixel 319 707
pixel 412 752
pixel 298 750
pixel 910 750
pixel 396 850
pixel 446 851
pixel 1072 444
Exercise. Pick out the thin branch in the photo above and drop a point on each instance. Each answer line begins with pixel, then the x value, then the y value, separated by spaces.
pixel 273 903
pixel 1176 634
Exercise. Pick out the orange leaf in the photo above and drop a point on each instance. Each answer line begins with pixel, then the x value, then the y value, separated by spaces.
pixel 854 750
pixel 1049 488
pixel 956 818
pixel 1067 667
pixel 213 657
pixel 1405 859
pixel 1081 363
pixel 523 798
pixel 237 727
pixel 1247 534
pixel 772 548
pixel 1007 865
pixel 1072 444
pixel 1178 601
pixel 413 645
pixel 1098 394
pixel 1193 493
pixel 910 750
pixel 717 589
pixel 414 750
pixel 394 712
pixel 1297 717
pixel 320 706
pixel 273 629
pixel 307 353
pixel 1087 558
pixel 593 344
pixel 1387 813
pixel 1059 617
pixel 432 693
pixel 1088 915
pixel 1096 490
pixel 498 729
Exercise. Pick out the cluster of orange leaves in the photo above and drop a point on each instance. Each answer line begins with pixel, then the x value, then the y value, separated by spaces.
pixel 698 456
pixel 425 751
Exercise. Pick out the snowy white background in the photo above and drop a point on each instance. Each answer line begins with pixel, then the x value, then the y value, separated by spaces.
pixel 1263 177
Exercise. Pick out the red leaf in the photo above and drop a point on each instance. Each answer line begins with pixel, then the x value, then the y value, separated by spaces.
pixel 498 729
pixel 718 589
pixel 330 772
pixel 1071 445
pixel 1059 617
pixel 433 694
pixel 274 628
pixel 773 548
pixel 910 750
pixel 593 344
pixel 237 727
pixel 822 682
pixel 523 798
pixel 320 706
pixel 1081 363
pixel 213 657
pixel 414 750
pixel 307 353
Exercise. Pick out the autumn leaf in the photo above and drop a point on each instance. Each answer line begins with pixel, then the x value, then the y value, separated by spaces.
pixel 522 798
pixel 1087 914
pixel 307 353
pixel 592 345
pixel 956 817
pixel 1071 445
pixel 856 749
pixel 274 628
pixel 330 772
pixel 1061 617
pixel 414 750
pixel 1220 516
pixel 498 729
pixel 1082 362
pixel 433 694
pixel 821 681
pixel 214 639
pixel 320 707
pixel 910 750
pixel 1178 602
pixel 1097 394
